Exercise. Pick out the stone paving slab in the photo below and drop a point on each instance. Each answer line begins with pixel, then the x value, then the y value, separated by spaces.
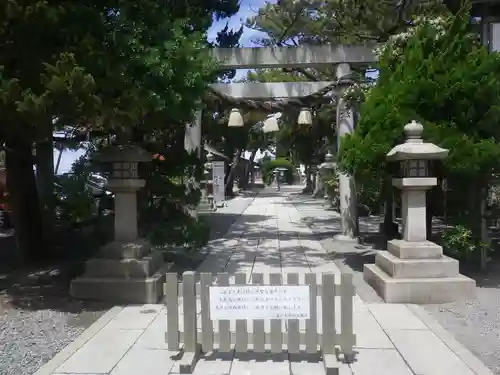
pixel 102 352
pixel 425 353
pixel 324 223
pixel 391 338
pixel 407 347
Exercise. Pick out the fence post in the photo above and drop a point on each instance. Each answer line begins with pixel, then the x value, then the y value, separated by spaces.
pixel 347 337
pixel 329 333
pixel 191 347
pixel 328 313
pixel 172 302
pixel 207 328
pixel 312 323
pixel 293 344
pixel 276 324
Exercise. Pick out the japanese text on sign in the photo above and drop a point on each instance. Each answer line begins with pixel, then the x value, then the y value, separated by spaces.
pixel 259 302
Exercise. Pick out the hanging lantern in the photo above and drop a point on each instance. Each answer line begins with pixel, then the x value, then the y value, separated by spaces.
pixel 235 119
pixel 271 124
pixel 305 117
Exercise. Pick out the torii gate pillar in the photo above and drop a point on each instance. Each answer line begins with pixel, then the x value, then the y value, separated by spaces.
pixel 347 190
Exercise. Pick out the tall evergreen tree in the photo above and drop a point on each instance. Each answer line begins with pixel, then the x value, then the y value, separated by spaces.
pixel 111 65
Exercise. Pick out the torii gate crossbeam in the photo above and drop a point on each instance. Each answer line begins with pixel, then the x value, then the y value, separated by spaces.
pixel 293 57
pixel 269 90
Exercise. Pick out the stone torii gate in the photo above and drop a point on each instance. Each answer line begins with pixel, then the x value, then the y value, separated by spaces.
pixel 344 57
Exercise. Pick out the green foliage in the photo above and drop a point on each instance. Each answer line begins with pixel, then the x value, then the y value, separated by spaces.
pixel 268 167
pixel 305 143
pixel 75 202
pixel 335 21
pixel 164 210
pixel 436 73
pixel 331 181
pixel 439 74
pixel 460 243
pixel 274 75
pixel 180 230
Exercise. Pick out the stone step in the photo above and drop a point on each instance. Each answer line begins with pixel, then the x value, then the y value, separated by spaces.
pixel 125 268
pixel 416 268
pixel 204 207
pixel 128 250
pixel 120 290
pixel 414 250
pixel 419 290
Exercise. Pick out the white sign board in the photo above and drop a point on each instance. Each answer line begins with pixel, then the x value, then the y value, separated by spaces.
pixel 259 302
pixel 218 183
pixel 495 37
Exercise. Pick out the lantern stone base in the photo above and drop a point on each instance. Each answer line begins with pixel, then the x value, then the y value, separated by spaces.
pixel 417 273
pixel 123 273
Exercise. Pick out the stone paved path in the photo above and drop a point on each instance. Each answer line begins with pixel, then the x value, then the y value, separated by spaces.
pixel 269 237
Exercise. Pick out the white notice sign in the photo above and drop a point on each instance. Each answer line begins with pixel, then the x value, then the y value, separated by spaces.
pixel 259 302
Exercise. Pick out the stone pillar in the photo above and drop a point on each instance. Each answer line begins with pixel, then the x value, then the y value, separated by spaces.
pixel 314 171
pixel 347 192
pixel 319 184
pixel 125 208
pixel 327 169
pixel 415 214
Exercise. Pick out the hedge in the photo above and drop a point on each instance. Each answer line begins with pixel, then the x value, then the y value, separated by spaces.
pixel 269 166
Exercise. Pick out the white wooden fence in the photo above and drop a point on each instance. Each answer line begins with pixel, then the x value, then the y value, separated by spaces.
pixel 188 305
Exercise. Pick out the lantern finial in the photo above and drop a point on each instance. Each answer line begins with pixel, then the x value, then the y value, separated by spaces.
pixel 414 132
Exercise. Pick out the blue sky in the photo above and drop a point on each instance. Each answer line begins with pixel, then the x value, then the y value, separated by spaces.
pixel 248 8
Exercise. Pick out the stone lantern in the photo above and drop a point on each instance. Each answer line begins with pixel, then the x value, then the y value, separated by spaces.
pixel 313 171
pixel 124 271
pixel 413 269
pixel 209 180
pixel 326 167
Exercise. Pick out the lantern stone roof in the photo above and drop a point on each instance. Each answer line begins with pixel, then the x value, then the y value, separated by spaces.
pixel 415 148
pixel 123 153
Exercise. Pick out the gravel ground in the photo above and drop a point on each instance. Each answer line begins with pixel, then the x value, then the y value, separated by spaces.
pixel 38 318
pixel 476 324
pixel 28 339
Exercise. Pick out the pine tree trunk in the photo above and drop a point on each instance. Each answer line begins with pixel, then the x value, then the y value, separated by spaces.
pixel 248 170
pixel 25 202
pixel 309 181
pixel 45 183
